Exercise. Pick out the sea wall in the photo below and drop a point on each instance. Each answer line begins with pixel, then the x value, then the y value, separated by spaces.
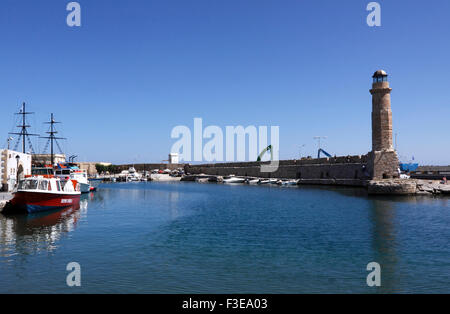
pixel 351 169
pixel 149 167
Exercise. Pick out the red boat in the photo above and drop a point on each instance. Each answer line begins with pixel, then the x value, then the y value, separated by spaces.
pixel 42 193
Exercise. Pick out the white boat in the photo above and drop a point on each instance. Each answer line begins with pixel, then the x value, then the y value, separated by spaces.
pixel 234 180
pixel 253 181
pixel 268 181
pixel 68 171
pixel 287 182
pixel 130 175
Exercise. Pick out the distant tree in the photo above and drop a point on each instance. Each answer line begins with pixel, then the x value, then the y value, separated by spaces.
pixel 100 168
pixel 112 169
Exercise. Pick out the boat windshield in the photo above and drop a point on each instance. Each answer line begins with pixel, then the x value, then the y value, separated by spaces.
pixel 43 185
pixel 28 185
pixel 34 184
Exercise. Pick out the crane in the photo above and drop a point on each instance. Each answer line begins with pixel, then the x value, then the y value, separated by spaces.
pixel 268 148
pixel 319 138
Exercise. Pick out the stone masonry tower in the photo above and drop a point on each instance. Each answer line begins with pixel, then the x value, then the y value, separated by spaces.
pixel 381 113
pixel 383 161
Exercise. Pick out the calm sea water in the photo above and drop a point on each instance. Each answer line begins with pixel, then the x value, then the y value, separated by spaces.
pixel 210 238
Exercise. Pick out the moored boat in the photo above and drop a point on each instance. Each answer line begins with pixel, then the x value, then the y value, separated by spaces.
pixel 71 171
pixel 43 193
pixel 268 181
pixel 287 182
pixel 253 181
pixel 234 180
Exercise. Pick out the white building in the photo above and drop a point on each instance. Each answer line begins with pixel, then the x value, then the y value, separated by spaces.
pixel 12 164
pixel 174 159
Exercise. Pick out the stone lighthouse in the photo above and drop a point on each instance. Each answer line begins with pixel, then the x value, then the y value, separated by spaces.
pixel 383 160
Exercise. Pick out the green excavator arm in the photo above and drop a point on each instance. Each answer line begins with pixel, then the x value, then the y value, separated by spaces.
pixel 268 148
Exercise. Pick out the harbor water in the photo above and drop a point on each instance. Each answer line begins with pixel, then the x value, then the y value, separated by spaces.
pixel 213 238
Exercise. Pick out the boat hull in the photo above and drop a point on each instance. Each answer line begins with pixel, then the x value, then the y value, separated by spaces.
pixel 35 202
pixel 85 187
pixel 234 181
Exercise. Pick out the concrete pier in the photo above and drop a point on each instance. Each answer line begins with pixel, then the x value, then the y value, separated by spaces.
pixel 4 198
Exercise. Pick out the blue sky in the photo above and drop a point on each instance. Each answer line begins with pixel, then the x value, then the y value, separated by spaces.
pixel 136 69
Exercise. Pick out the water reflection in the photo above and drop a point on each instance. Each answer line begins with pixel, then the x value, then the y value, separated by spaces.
pixel 28 234
pixel 143 195
pixel 384 243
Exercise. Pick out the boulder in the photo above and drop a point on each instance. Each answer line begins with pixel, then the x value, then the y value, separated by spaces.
pixel 444 188
pixel 392 187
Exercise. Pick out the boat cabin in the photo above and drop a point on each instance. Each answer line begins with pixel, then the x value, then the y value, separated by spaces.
pixel 43 184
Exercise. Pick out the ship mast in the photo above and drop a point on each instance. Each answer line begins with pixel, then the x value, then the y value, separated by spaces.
pixel 52 138
pixel 24 129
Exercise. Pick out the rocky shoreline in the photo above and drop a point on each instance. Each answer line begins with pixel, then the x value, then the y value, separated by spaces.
pixel 408 187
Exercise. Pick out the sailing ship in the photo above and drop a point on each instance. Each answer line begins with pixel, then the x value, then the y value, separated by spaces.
pixel 42 190
pixel 66 171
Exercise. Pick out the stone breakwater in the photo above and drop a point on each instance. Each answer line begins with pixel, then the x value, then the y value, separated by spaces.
pixel 374 187
pixel 407 187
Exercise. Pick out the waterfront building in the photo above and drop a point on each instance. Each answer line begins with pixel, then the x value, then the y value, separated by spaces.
pixel 90 167
pixel 13 165
pixel 174 159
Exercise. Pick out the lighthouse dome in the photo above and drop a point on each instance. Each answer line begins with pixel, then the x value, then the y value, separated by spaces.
pixel 380 73
pixel 380 76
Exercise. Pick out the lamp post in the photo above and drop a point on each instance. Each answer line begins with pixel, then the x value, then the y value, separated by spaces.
pixel 17 169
